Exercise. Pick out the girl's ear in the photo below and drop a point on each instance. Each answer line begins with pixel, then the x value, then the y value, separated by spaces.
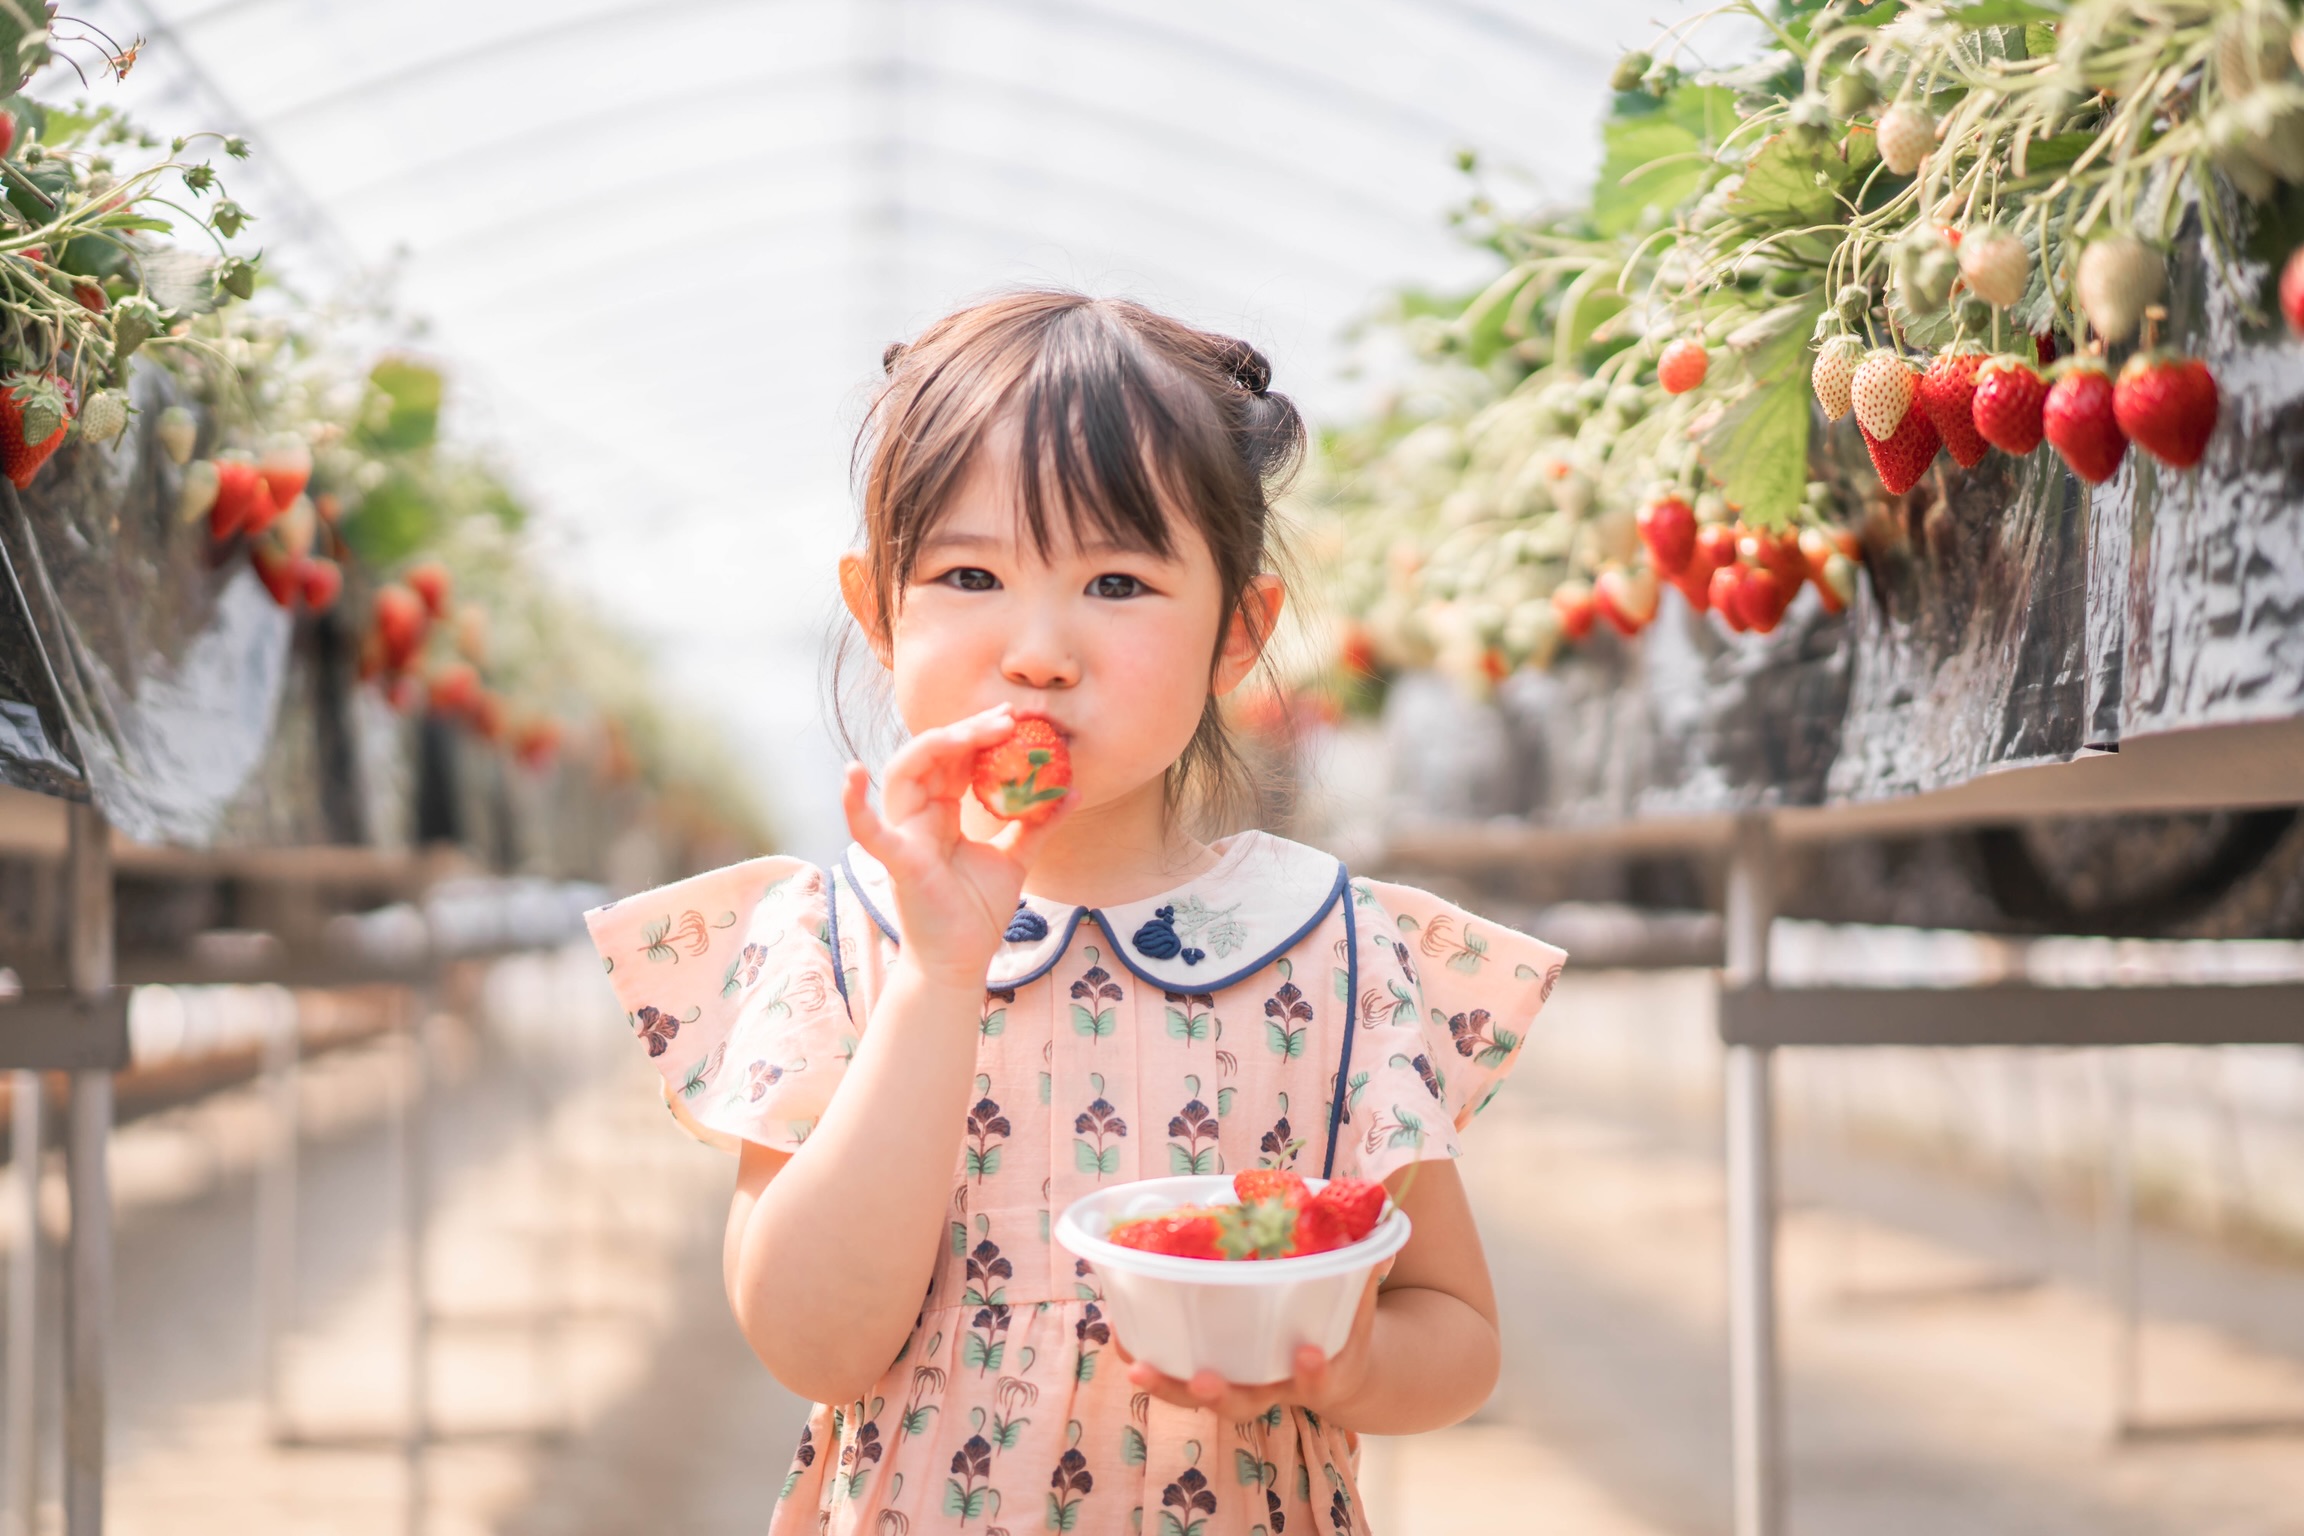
pixel 863 603
pixel 1250 631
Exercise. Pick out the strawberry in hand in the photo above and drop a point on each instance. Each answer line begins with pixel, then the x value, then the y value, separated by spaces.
pixel 1022 778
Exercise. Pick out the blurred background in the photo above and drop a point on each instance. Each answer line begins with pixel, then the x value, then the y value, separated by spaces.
pixel 579 304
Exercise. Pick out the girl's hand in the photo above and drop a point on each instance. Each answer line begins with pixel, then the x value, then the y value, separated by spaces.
pixel 1320 1383
pixel 954 895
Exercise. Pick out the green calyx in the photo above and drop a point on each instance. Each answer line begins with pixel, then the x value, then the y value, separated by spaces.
pixel 1017 798
pixel 1260 1229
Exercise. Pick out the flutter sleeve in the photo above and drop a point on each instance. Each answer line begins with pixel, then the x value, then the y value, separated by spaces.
pixel 731 985
pixel 1443 1007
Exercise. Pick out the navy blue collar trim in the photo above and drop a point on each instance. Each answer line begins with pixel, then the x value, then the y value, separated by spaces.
pixel 1119 950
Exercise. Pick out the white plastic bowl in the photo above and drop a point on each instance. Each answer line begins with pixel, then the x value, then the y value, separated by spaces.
pixel 1244 1319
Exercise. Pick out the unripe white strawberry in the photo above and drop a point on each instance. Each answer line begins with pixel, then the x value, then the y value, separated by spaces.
pixel 1995 264
pixel 1881 393
pixel 1906 134
pixel 104 417
pixel 1834 372
pixel 179 431
pixel 2119 277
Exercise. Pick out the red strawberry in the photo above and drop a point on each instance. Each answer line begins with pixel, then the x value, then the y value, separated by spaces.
pixel 404 693
pixel 2167 405
pixel 1318 1229
pixel 1947 392
pixel 1835 584
pixel 30 403
pixel 1901 460
pixel 1270 1184
pixel 323 584
pixel 487 715
pixel 1726 591
pixel 260 511
pixel 429 581
pixel 286 465
pixel 1776 552
pixel 399 625
pixel 2044 347
pixel 2081 426
pixel 89 296
pixel 1022 778
pixel 454 689
pixel 2006 404
pixel 1668 527
pixel 2292 290
pixel 1357 1203
pixel 280 572
pixel 1683 366
pixel 1573 605
pixel 1189 1233
pixel 7 133
pixel 1762 595
pixel 235 490
pixel 536 742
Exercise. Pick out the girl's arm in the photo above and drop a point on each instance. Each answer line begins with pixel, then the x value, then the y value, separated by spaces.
pixel 1424 1351
pixel 829 1250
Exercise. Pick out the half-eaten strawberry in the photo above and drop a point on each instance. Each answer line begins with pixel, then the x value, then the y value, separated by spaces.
pixel 1022 778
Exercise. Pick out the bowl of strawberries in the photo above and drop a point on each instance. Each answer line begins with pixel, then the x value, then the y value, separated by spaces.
pixel 1233 1273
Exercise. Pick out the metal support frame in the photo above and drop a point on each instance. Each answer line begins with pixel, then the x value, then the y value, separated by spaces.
pixel 1756 1436
pixel 27 1131
pixel 88 1296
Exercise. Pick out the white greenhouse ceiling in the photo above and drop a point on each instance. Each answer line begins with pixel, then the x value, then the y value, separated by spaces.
pixel 661 245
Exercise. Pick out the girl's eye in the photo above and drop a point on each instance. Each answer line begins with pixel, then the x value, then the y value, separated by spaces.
pixel 970 578
pixel 1116 585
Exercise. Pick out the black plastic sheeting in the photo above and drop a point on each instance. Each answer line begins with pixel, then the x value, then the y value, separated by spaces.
pixel 2007 616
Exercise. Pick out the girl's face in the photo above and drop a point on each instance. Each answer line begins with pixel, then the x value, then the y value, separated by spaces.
pixel 1111 644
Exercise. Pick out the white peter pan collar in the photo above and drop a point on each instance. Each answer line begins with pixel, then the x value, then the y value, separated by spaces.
pixel 1257 902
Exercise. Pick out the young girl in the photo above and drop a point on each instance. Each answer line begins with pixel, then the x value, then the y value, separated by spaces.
pixel 924 1051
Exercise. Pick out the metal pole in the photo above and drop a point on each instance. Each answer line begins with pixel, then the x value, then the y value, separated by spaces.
pixel 2119 1231
pixel 1756 1437
pixel 414 1004
pixel 276 1217
pixel 88 1298
pixel 27 1136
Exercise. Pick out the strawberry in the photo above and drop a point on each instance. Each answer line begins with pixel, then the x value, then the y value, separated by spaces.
pixel 1358 1204
pixel 1779 553
pixel 1832 554
pixel 2044 347
pixel 34 409
pixel 198 493
pixel 7 133
pixel 404 693
pixel 1834 373
pixel 1573 605
pixel 1726 595
pixel 2292 290
pixel 1022 778
pixel 486 715
pixel 1626 599
pixel 536 742
pixel 89 296
pixel 2006 404
pixel 262 511
pixel 2119 277
pixel 2167 405
pixel 400 624
pixel 179 431
pixel 454 689
pixel 235 495
pixel 429 581
pixel 1270 1184
pixel 280 572
pixel 1667 526
pixel 1318 1228
pixel 2078 420
pixel 104 417
pixel 1188 1233
pixel 1905 134
pixel 323 584
pixel 1901 460
pixel 1881 393
pixel 1762 595
pixel 1947 392
pixel 1996 267
pixel 1682 366
pixel 285 464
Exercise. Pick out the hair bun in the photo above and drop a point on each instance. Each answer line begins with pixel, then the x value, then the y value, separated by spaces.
pixel 892 354
pixel 1248 367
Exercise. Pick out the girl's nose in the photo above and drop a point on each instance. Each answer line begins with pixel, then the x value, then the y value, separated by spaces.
pixel 1037 657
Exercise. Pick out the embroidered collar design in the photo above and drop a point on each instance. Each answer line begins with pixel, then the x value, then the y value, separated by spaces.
pixel 1258 900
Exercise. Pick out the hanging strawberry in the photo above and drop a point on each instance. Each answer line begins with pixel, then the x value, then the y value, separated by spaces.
pixel 1725 594
pixel 179 432
pixel 1682 366
pixel 1881 393
pixel 1947 392
pixel 1995 265
pixel 1762 595
pixel 285 464
pixel 323 583
pixel 1834 374
pixel 400 622
pixel 1667 526
pixel 2119 277
pixel 429 580
pixel 2167 405
pixel 34 410
pixel 2006 404
pixel 1902 458
pixel 1626 599
pixel 2080 424
pixel 2292 289
pixel 1906 134
pixel 1573 605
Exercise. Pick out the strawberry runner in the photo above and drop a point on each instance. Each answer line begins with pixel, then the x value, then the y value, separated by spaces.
pixel 1272 1013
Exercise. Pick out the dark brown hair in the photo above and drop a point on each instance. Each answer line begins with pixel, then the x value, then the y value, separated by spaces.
pixel 1124 418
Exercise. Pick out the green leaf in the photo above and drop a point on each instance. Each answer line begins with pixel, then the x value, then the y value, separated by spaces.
pixel 1062 1516
pixel 1655 160
pixel 959 1238
pixel 1287 1044
pixel 993 1023
pixel 1131 1445
pixel 1224 1097
pixel 1182 1160
pixel 983 1164
pixel 1094 1025
pixel 1248 1468
pixel 1759 452
pixel 410 416
pixel 1789 182
pixel 2002 13
pixel 1084 1368
pixel 1088 1160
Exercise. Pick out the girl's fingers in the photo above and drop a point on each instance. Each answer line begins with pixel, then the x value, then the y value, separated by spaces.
pixel 864 823
pixel 937 764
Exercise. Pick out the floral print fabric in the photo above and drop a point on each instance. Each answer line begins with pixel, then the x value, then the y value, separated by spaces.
pixel 1006 1409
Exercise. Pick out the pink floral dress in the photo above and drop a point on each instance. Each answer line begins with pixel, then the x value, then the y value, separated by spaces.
pixel 1272 1012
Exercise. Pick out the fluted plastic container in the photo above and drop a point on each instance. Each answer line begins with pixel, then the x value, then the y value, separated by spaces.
pixel 1242 1319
